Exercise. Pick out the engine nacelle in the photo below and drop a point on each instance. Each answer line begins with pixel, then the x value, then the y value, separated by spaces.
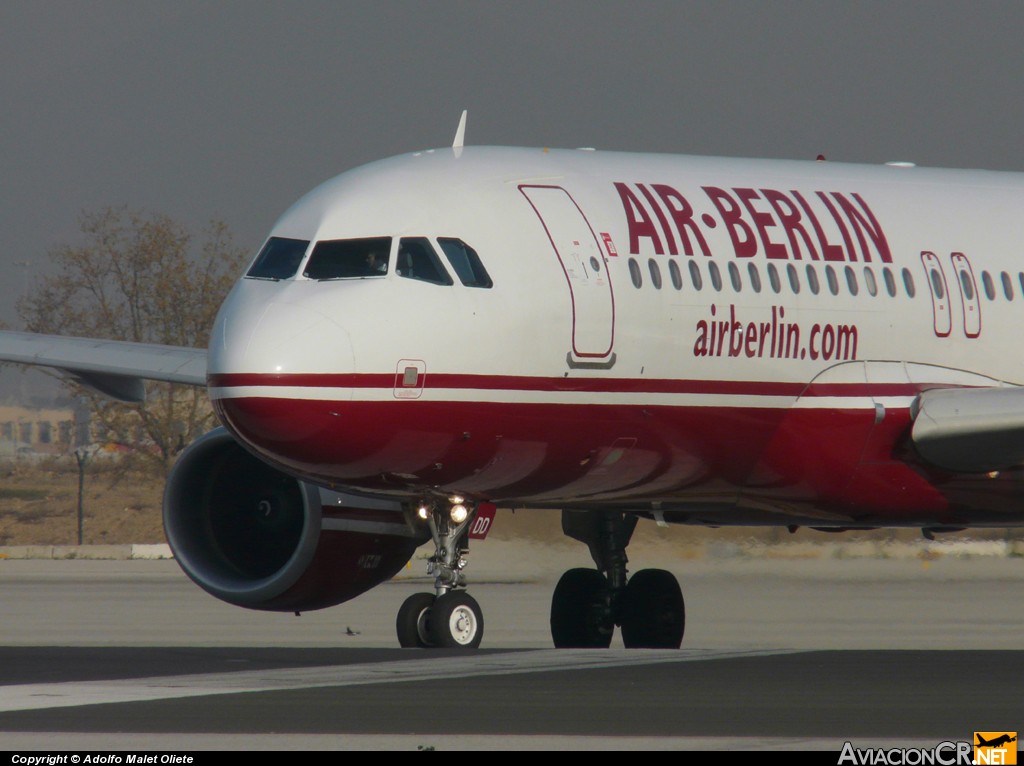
pixel 256 537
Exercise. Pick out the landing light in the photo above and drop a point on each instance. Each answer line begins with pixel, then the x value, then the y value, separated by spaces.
pixel 459 513
pixel 456 499
pixel 423 512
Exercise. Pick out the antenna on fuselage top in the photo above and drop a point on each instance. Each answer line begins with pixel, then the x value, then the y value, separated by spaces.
pixel 460 132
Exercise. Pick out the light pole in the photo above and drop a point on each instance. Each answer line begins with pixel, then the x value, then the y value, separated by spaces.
pixel 82 456
pixel 83 451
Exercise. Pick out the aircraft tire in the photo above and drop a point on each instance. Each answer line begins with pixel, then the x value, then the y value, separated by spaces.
pixel 456 621
pixel 653 612
pixel 577 611
pixel 412 624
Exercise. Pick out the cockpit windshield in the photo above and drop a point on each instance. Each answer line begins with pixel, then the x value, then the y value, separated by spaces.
pixel 417 260
pixel 349 258
pixel 466 262
pixel 279 258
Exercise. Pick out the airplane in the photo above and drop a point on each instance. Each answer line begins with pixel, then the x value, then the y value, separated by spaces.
pixel 619 336
pixel 1002 739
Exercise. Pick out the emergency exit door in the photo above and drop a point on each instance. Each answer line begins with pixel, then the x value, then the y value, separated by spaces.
pixel 969 298
pixel 939 291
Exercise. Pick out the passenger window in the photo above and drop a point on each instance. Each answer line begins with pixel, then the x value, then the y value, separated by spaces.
pixel 890 282
pixel 794 279
pixel 349 258
pixel 967 285
pixel 418 260
pixel 716 275
pixel 851 280
pixel 634 273
pixel 465 262
pixel 695 277
pixel 832 279
pixel 908 283
pixel 677 276
pixel 734 276
pixel 812 279
pixel 279 258
pixel 655 273
pixel 1007 286
pixel 755 277
pixel 990 288
pixel 773 278
pixel 870 282
pixel 1020 278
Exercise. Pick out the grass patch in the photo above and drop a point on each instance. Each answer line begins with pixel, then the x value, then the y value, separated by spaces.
pixel 38 515
pixel 23 493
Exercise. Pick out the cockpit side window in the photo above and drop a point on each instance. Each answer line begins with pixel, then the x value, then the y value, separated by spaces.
pixel 279 259
pixel 349 258
pixel 417 259
pixel 466 262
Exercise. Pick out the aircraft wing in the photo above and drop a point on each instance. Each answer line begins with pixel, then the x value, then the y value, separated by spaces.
pixel 114 368
pixel 970 429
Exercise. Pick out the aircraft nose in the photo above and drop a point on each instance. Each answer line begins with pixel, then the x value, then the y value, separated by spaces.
pixel 263 357
pixel 277 339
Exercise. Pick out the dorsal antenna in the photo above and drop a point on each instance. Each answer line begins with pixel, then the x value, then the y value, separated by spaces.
pixel 460 132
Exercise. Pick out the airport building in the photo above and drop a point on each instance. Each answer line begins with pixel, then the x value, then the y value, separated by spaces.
pixel 29 431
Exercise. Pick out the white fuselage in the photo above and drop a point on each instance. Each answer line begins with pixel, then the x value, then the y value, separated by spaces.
pixel 740 336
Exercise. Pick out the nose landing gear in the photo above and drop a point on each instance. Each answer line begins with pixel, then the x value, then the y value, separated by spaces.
pixel 447 618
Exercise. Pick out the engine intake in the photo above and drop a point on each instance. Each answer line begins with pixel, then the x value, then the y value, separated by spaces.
pixel 256 537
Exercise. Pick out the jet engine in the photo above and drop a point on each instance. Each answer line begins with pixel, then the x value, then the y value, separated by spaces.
pixel 256 537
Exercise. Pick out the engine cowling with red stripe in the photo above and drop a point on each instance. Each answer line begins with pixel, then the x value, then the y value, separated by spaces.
pixel 256 537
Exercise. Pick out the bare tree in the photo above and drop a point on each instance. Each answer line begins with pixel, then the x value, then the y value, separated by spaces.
pixel 139 277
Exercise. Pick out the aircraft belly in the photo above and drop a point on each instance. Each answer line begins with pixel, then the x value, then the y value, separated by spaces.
pixel 550 452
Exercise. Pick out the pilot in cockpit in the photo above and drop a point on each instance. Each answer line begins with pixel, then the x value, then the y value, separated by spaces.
pixel 376 263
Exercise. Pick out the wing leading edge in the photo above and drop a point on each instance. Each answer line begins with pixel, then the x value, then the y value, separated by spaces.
pixel 970 429
pixel 114 368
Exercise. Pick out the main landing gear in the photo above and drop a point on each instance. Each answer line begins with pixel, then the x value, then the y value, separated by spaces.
pixel 447 618
pixel 589 603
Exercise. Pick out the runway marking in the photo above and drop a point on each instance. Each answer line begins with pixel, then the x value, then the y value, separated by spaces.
pixel 76 693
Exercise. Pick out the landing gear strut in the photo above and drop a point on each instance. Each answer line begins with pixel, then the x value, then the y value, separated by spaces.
pixel 447 618
pixel 589 603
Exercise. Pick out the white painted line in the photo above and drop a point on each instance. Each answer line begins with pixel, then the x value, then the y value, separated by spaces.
pixel 76 693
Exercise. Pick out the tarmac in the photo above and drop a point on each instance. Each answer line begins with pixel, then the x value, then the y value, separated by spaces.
pixel 783 650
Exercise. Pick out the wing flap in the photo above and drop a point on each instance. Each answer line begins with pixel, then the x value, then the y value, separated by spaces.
pixel 970 429
pixel 114 368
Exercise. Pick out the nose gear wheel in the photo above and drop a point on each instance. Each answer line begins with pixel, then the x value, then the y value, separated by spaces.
pixel 456 621
pixel 448 618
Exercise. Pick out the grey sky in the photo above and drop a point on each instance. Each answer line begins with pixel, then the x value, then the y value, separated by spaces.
pixel 233 110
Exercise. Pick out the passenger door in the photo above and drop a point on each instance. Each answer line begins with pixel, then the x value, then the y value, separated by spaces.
pixel 585 268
